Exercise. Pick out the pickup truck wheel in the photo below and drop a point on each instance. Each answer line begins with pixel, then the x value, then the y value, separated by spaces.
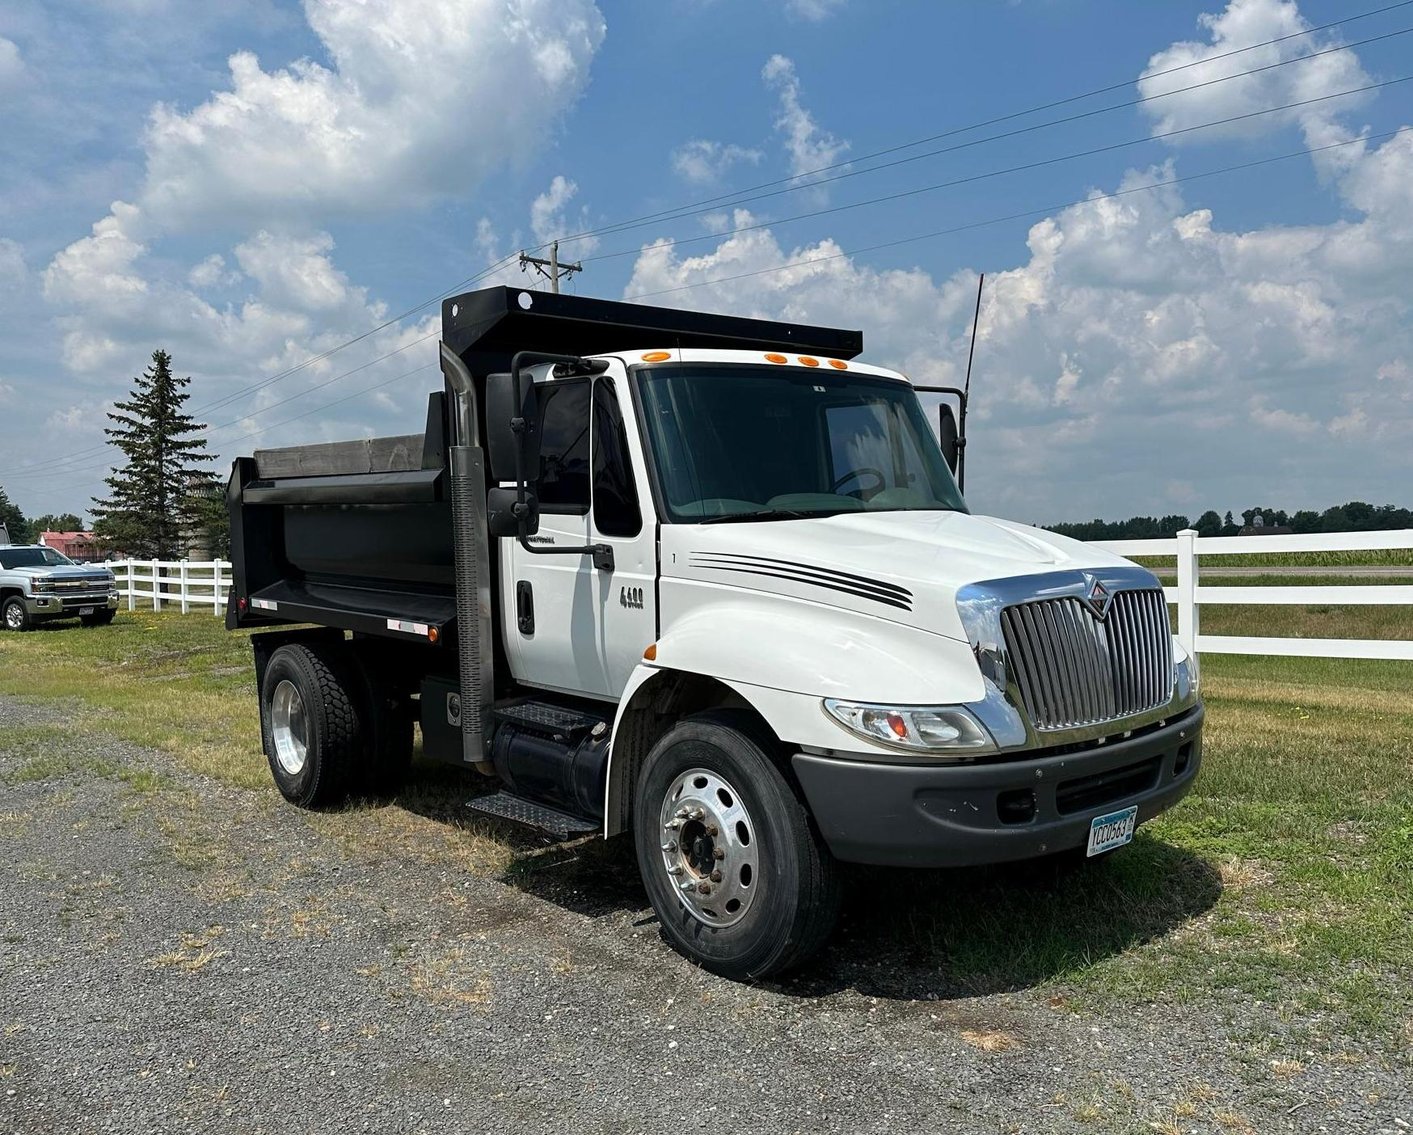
pixel 314 736
pixel 741 883
pixel 16 617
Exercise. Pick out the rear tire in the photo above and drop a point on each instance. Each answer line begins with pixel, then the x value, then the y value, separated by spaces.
pixel 311 722
pixel 14 615
pixel 787 901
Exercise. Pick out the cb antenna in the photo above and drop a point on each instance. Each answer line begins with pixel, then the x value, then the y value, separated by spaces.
pixel 971 354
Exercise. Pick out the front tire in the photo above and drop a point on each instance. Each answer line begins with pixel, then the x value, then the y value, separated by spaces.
pixel 740 881
pixel 15 617
pixel 314 733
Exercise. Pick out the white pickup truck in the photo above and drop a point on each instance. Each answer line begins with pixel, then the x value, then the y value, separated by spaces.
pixel 709 582
pixel 38 583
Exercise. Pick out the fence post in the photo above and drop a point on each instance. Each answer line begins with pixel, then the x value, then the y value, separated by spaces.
pixel 1187 590
pixel 128 585
pixel 156 586
pixel 185 577
pixel 216 587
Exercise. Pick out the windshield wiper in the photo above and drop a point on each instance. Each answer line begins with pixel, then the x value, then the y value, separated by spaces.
pixel 769 514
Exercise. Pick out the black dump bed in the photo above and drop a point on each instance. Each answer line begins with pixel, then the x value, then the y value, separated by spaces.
pixel 358 535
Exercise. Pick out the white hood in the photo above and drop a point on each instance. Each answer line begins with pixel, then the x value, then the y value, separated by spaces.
pixel 903 566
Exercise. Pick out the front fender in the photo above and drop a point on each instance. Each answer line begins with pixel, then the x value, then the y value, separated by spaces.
pixel 783 663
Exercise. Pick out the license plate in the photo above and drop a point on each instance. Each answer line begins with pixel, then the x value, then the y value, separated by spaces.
pixel 1112 830
pixel 85 610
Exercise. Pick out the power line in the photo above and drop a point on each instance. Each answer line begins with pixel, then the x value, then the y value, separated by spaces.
pixel 798 181
pixel 988 174
pixel 1042 211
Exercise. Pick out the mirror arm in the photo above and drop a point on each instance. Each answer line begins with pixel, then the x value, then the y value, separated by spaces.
pixel 962 398
pixel 602 553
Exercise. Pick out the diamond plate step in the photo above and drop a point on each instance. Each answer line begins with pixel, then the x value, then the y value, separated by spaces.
pixel 554 721
pixel 506 806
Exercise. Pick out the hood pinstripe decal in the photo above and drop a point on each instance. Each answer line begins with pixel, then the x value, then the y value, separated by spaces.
pixel 889 594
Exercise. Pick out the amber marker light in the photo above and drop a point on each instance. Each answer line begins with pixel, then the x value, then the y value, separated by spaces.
pixel 433 635
pixel 657 356
pixel 776 359
pixel 806 361
pixel 838 364
pixel 651 653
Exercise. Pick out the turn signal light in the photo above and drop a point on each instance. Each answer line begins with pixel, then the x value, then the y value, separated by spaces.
pixel 776 359
pixel 433 635
pixel 838 364
pixel 651 653
pixel 806 361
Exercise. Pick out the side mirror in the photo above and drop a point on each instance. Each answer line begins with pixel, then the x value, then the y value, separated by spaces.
pixel 500 514
pixel 501 440
pixel 947 435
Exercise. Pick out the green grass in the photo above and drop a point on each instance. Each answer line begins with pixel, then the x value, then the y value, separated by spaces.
pixel 1285 877
pixel 1379 557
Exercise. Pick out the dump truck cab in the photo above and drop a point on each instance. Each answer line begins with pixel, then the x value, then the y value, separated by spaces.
pixel 712 582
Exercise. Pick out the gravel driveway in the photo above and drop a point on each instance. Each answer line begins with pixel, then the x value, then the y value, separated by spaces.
pixel 181 955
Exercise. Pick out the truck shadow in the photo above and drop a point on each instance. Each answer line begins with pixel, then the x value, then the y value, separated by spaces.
pixel 929 935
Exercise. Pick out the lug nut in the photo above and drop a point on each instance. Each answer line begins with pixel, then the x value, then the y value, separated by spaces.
pixel 711 830
pixel 716 876
pixel 687 886
pixel 670 845
pixel 718 853
pixel 675 869
pixel 704 888
pixel 672 825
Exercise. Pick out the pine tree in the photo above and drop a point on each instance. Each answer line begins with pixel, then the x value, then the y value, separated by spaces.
pixel 151 506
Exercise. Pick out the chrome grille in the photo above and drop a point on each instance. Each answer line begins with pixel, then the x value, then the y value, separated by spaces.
pixel 1073 669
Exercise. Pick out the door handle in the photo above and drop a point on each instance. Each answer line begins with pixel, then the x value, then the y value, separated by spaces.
pixel 525 607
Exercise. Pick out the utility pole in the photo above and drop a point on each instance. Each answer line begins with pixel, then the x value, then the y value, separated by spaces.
pixel 551 267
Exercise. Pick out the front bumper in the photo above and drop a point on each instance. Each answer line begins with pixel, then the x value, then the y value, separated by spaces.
pixel 68 606
pixel 936 815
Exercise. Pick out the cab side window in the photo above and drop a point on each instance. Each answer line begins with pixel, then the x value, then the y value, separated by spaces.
pixel 563 481
pixel 616 511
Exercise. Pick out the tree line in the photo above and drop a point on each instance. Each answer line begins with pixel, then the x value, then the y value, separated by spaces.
pixel 162 499
pixel 1354 516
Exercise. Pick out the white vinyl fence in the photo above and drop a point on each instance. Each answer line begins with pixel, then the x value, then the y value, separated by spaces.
pixel 1190 593
pixel 186 584
pixel 177 584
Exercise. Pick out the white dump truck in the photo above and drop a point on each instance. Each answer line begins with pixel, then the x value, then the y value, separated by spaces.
pixel 707 582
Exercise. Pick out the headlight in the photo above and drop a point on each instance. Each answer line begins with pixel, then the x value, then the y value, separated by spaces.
pixel 1185 667
pixel 41 585
pixel 925 729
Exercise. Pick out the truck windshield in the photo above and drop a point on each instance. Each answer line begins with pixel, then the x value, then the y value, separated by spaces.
pixel 765 443
pixel 32 557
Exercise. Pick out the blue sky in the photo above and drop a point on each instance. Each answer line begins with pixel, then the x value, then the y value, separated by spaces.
pixel 252 183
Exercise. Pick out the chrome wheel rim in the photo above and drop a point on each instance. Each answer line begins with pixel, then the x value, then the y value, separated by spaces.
pixel 709 848
pixel 14 616
pixel 289 728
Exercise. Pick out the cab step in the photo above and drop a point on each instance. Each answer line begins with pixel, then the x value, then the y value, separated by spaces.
pixel 551 821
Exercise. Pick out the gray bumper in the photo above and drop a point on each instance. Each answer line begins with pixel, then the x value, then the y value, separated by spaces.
pixel 67 606
pixel 959 815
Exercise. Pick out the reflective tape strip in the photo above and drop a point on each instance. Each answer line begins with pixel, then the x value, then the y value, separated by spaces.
pixel 265 604
pixel 408 628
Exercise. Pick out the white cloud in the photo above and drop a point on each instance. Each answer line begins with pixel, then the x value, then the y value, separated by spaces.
pixel 13 270
pixel 7 392
pixel 549 217
pixel 212 273
pixel 1242 23
pixel 12 65
pixel 808 146
pixel 814 10
pixel 413 109
pixel 702 162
